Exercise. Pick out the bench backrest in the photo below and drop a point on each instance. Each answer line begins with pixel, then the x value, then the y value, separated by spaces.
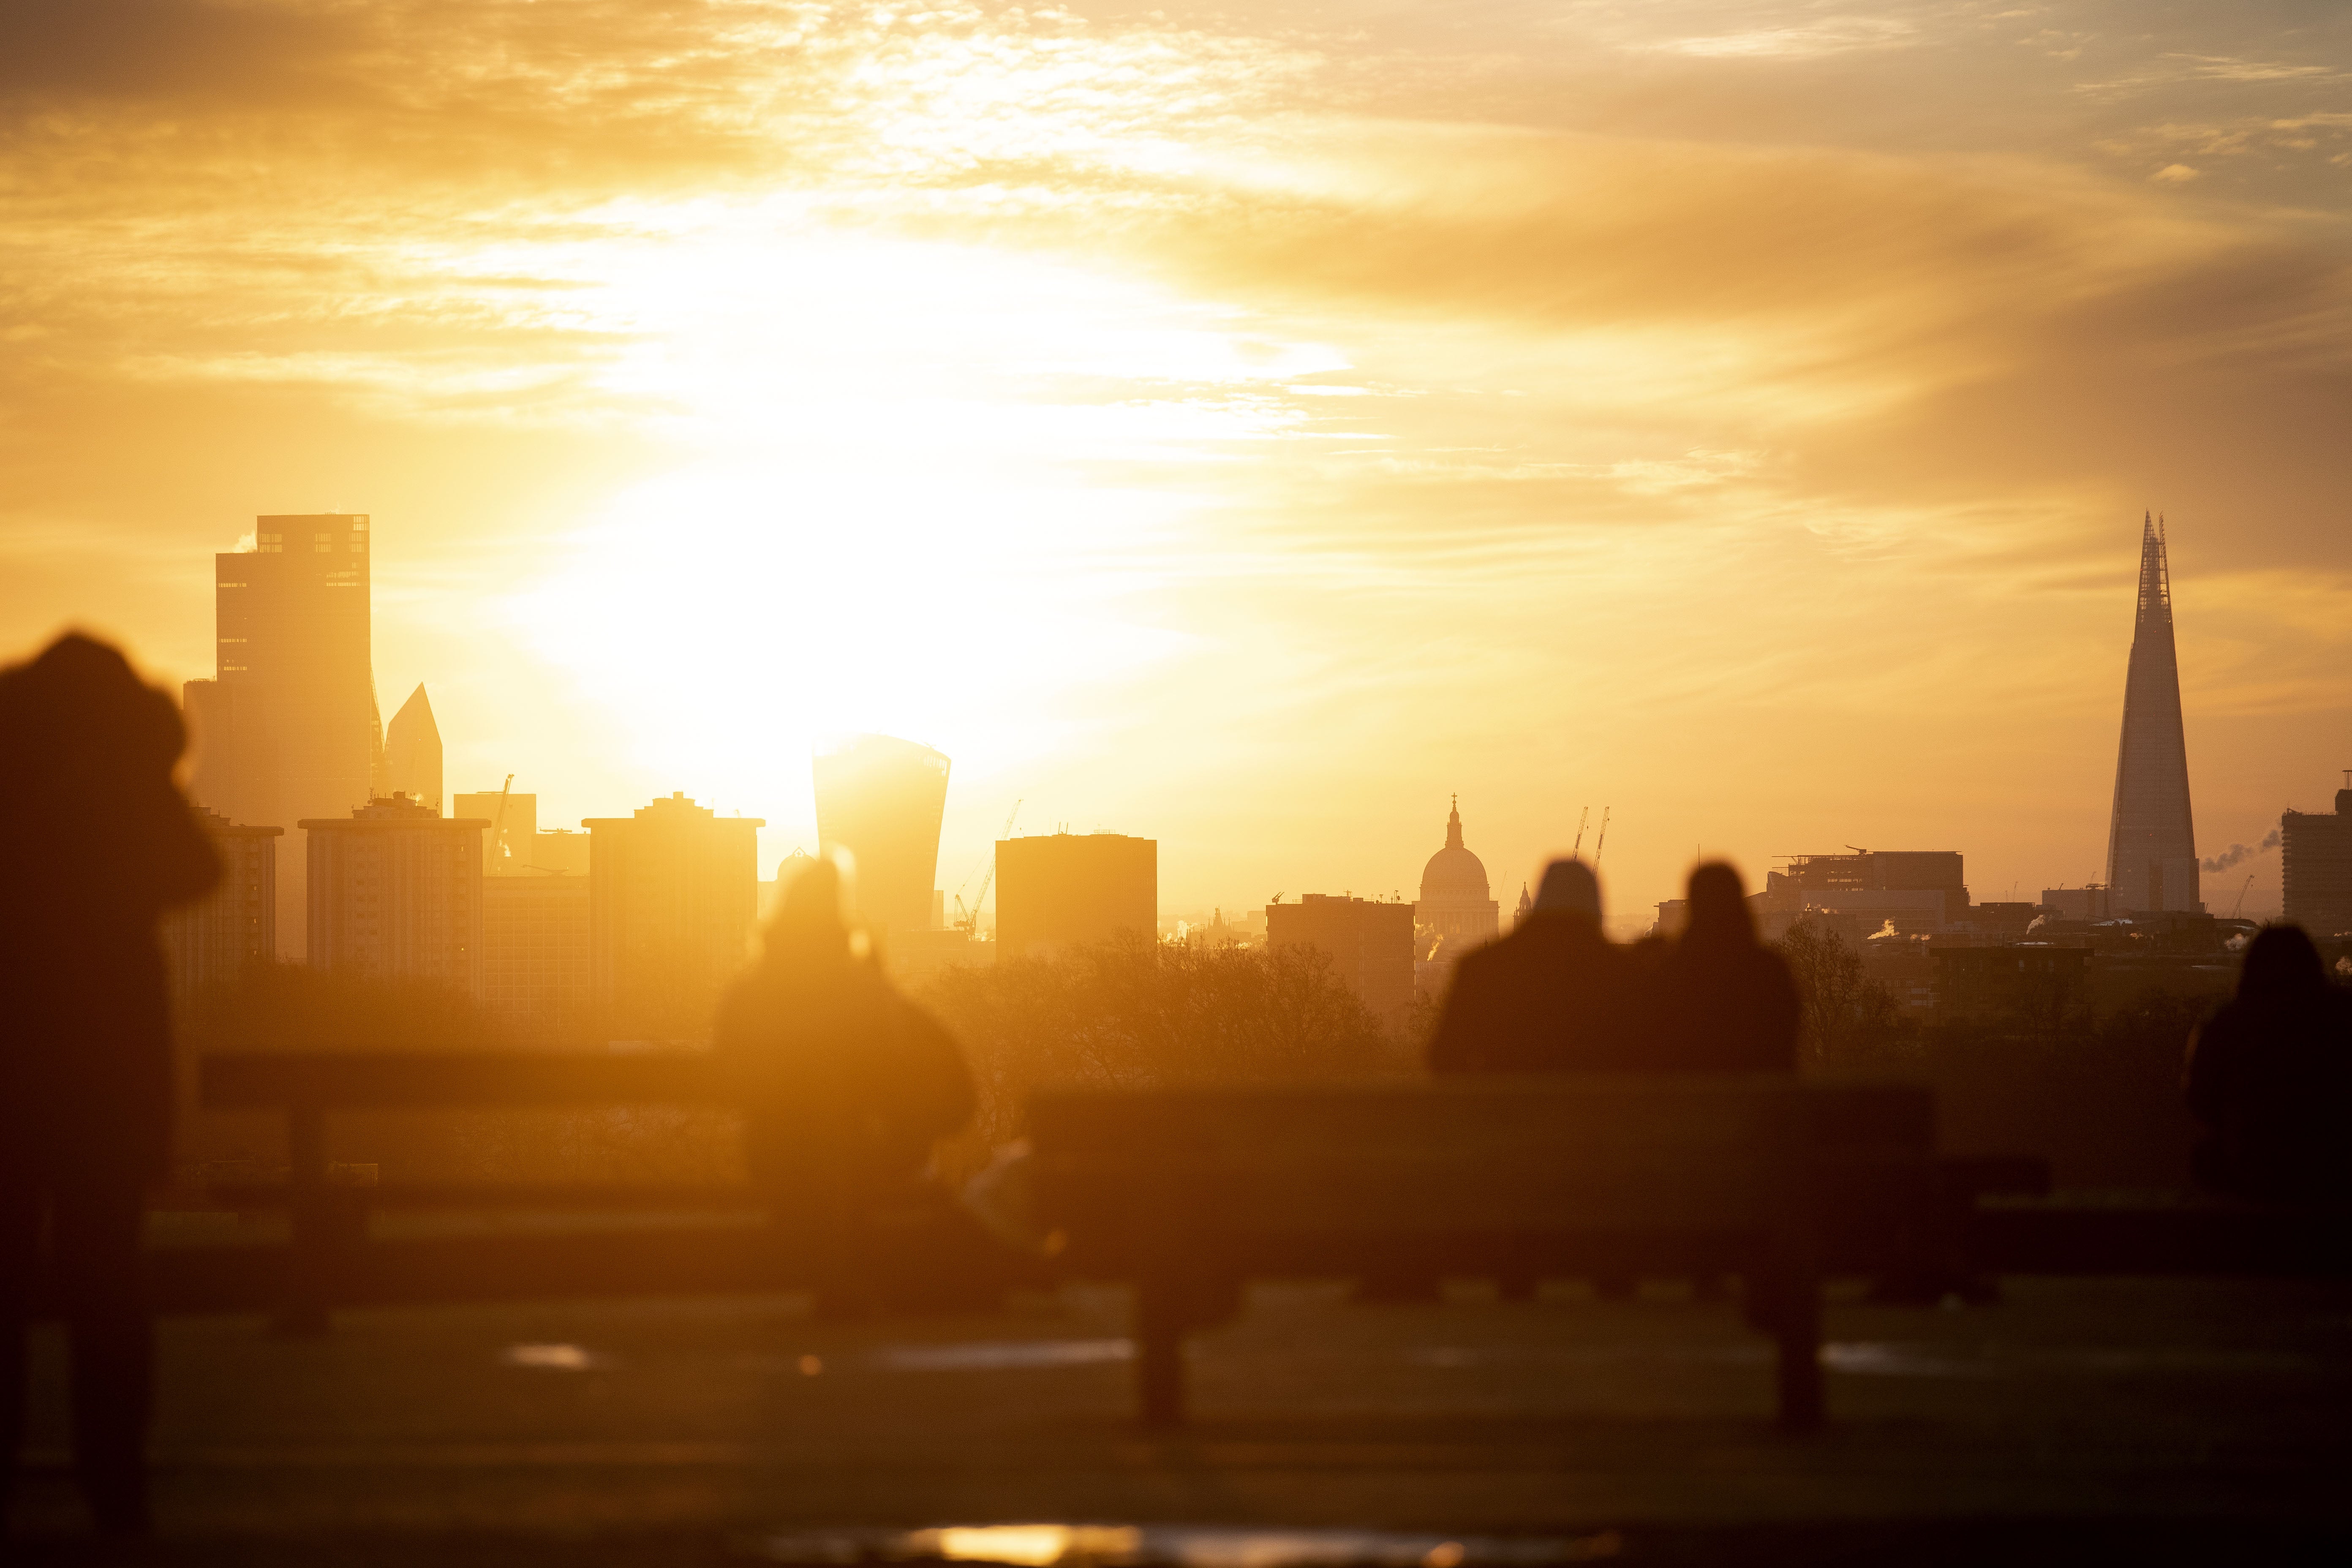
pixel 1527 1155
pixel 356 1080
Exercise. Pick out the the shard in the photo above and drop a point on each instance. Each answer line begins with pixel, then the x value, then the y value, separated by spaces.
pixel 2152 842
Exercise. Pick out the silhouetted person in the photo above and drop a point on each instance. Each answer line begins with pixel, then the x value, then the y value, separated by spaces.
pixel 95 843
pixel 846 1087
pixel 1554 996
pixel 2270 1074
pixel 1725 1002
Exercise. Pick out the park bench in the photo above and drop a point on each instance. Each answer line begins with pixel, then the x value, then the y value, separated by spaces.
pixel 325 1263
pixel 1187 1195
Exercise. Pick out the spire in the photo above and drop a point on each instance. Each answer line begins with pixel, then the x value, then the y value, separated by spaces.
pixel 2151 838
pixel 1453 826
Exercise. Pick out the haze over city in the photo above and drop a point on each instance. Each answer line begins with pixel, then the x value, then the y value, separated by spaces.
pixel 1247 427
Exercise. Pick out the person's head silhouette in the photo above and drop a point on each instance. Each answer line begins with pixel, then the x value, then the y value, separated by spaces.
pixel 1718 908
pixel 2280 962
pixel 79 725
pixel 808 922
pixel 1570 889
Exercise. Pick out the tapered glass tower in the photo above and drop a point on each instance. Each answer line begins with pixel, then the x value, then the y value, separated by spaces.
pixel 2152 842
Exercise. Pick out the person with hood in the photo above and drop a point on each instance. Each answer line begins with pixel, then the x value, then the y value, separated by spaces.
pixel 1554 996
pixel 1726 1002
pixel 846 1087
pixel 2270 1075
pixel 95 842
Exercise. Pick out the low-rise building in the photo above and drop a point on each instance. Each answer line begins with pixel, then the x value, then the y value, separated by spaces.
pixel 1371 945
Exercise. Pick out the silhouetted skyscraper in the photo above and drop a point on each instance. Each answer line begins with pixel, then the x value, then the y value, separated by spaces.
pixel 2152 842
pixel 881 799
pixel 396 892
pixel 671 896
pixel 412 752
pixel 288 728
pixel 2315 873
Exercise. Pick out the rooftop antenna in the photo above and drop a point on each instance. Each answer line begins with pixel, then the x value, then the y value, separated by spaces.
pixel 1602 843
pixel 1580 821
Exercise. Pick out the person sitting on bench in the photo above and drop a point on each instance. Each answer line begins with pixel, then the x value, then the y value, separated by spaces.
pixel 2270 1075
pixel 846 1087
pixel 1726 1003
pixel 1554 996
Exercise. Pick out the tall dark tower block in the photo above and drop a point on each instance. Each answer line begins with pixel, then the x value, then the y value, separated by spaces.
pixel 2152 842
pixel 288 729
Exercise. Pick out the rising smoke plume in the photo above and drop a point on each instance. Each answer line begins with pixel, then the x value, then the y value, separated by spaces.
pixel 2237 852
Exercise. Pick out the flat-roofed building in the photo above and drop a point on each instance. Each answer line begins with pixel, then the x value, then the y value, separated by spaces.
pixel 673 892
pixel 2316 867
pixel 1059 891
pixel 535 954
pixel 396 892
pixel 513 816
pixel 1371 945
pixel 235 927
pixel 288 728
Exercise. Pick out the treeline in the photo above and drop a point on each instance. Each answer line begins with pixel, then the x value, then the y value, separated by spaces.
pixel 2097 1094
pixel 1129 1015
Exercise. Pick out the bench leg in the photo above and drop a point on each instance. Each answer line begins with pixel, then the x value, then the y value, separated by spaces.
pixel 302 1311
pixel 1797 1330
pixel 1159 1324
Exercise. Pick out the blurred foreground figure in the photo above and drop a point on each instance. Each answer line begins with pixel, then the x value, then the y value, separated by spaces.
pixel 1726 1002
pixel 1554 996
pixel 95 844
pixel 846 1087
pixel 2270 1074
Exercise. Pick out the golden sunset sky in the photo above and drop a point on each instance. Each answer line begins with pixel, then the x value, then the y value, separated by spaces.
pixel 1242 425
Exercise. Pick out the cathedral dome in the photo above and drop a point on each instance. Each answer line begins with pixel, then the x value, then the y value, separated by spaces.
pixel 1454 875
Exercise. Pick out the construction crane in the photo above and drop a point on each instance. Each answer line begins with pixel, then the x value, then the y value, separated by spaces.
pixel 1583 818
pixel 499 821
pixel 968 917
pixel 1603 842
pixel 2242 897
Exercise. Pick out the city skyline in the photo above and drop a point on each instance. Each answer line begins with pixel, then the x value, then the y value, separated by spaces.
pixel 1733 412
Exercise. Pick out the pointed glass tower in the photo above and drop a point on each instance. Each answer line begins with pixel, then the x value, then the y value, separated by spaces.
pixel 2152 842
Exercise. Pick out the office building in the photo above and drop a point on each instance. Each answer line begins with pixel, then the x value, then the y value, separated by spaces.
pixel 1371 945
pixel 513 819
pixel 535 948
pixel 287 727
pixel 412 752
pixel 2089 903
pixel 2151 839
pixel 672 892
pixel 1069 890
pixel 1918 891
pixel 235 927
pixel 1455 912
pixel 395 893
pixel 881 799
pixel 2316 852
